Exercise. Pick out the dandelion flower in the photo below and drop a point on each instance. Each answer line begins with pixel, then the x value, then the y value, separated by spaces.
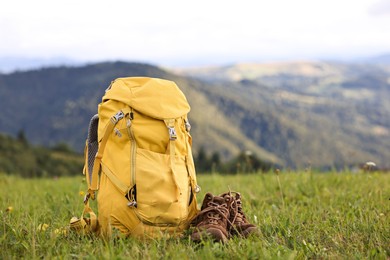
pixel 9 209
pixel 81 193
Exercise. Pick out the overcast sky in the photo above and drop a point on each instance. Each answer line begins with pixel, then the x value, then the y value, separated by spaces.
pixel 180 32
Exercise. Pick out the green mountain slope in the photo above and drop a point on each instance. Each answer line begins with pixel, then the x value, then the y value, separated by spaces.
pixel 297 114
pixel 308 113
pixel 55 104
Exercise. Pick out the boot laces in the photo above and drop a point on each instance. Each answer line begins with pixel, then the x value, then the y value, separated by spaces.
pixel 214 212
pixel 237 216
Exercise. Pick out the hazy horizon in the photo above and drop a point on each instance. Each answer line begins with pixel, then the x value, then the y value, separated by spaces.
pixel 11 64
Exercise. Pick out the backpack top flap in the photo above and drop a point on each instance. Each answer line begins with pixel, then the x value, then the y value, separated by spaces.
pixel 157 98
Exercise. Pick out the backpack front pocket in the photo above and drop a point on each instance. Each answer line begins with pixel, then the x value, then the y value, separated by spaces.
pixel 161 188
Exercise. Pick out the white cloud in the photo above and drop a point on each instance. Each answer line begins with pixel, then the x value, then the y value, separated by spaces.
pixel 381 7
pixel 156 30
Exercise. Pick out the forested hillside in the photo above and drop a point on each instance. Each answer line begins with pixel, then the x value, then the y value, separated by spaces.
pixel 331 116
pixel 18 156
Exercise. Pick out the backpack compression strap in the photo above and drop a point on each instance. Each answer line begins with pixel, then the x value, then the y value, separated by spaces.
pixel 189 162
pixel 170 123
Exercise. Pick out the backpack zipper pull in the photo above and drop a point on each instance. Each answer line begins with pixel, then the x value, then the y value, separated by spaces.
pixel 117 132
pixel 131 114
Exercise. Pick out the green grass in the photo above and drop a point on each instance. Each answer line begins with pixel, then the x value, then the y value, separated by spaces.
pixel 303 215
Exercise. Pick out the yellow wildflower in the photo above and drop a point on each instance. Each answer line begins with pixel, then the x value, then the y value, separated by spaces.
pixel 61 231
pixel 42 227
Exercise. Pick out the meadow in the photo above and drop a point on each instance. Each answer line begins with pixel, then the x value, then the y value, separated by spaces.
pixel 300 215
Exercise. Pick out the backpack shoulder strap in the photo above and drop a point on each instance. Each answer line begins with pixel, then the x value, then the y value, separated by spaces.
pixel 93 181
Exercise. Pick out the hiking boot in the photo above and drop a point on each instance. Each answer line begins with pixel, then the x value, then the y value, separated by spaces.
pixel 213 219
pixel 240 225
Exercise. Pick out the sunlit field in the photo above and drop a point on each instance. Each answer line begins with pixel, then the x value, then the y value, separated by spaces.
pixel 299 214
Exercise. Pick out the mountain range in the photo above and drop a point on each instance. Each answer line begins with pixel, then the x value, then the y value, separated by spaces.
pixel 293 114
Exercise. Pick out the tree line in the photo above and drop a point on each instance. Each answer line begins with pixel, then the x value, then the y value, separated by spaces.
pixel 18 156
pixel 244 162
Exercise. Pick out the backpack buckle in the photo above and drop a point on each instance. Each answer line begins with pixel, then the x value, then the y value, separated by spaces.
pixel 172 133
pixel 131 196
pixel 187 125
pixel 118 116
pixel 86 198
pixel 132 204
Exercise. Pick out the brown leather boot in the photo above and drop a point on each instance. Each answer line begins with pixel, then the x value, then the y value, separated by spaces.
pixel 213 219
pixel 240 225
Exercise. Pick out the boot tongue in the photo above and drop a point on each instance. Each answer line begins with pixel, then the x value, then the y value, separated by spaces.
pixel 219 200
pixel 207 198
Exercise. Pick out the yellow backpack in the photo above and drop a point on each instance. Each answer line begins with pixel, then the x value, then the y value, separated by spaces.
pixel 138 157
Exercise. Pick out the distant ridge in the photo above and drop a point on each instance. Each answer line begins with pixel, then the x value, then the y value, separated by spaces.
pixel 11 64
pixel 380 59
pixel 305 114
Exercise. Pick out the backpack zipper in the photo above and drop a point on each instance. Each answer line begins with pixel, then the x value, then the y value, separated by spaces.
pixel 133 151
